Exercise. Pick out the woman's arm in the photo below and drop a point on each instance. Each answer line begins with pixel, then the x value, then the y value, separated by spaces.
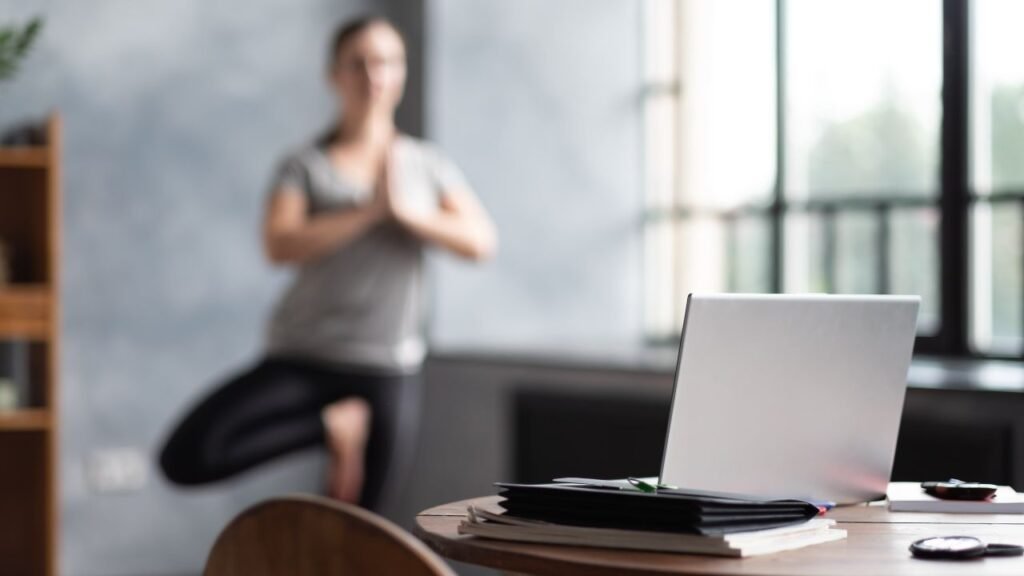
pixel 291 236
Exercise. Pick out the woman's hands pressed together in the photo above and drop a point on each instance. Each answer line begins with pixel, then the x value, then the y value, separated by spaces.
pixel 460 225
pixel 387 199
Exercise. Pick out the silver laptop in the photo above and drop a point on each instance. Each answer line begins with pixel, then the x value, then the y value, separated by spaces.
pixel 790 395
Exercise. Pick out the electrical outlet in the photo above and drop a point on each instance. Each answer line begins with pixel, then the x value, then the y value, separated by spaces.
pixel 116 470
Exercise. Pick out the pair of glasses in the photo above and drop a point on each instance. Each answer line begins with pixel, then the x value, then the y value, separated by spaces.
pixel 960 548
pixel 954 489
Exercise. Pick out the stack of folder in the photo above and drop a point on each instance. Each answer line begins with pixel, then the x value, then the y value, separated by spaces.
pixel 611 514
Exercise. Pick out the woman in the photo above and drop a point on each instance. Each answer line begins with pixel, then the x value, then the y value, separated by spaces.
pixel 353 212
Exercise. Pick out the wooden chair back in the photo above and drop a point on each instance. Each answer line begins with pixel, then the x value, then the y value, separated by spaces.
pixel 313 536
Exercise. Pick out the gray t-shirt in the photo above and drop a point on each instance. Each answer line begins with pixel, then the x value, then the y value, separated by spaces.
pixel 361 304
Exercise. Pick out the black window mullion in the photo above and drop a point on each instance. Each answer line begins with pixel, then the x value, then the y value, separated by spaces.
pixel 830 239
pixel 732 252
pixel 778 207
pixel 883 221
pixel 954 200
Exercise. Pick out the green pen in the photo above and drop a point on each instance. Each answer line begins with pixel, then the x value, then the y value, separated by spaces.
pixel 647 487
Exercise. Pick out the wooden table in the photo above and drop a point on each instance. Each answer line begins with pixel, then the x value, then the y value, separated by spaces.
pixel 877 545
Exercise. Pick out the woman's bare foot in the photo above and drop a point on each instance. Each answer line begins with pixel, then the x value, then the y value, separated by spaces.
pixel 348 425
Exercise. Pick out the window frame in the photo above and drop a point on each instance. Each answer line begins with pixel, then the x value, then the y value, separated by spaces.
pixel 954 203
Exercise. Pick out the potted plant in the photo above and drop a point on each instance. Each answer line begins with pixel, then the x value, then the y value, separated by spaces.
pixel 15 42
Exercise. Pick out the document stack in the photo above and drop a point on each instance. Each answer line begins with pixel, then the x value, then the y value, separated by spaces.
pixel 607 515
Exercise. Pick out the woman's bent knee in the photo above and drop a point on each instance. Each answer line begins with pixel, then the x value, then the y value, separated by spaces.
pixel 181 463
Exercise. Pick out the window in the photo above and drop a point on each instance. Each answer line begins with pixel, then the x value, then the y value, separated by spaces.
pixel 710 151
pixel 840 146
pixel 997 176
pixel 861 124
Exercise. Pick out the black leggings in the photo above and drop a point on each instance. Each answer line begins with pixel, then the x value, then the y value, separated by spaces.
pixel 275 408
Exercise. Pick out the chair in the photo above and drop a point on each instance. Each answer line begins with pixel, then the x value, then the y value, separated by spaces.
pixel 312 536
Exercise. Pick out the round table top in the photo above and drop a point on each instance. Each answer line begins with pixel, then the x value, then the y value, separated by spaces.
pixel 877 544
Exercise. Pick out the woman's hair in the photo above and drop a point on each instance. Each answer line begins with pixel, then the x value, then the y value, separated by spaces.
pixel 349 29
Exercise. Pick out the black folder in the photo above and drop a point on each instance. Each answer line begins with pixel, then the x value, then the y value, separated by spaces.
pixel 667 510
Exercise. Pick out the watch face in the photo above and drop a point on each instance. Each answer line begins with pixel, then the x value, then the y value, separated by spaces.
pixel 948 547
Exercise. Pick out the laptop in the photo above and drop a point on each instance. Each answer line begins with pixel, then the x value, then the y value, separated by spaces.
pixel 789 395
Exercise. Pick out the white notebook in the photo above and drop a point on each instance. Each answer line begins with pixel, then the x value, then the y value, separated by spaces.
pixel 909 497
pixel 741 544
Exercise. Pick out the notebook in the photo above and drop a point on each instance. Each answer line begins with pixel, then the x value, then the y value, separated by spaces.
pixel 667 510
pixel 741 545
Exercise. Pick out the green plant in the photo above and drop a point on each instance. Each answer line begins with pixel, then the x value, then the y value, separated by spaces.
pixel 15 43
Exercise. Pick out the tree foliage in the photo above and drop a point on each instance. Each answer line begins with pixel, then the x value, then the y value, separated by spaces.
pixel 881 150
pixel 1008 137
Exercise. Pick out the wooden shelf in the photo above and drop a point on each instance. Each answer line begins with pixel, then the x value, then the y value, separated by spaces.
pixel 24 157
pixel 24 419
pixel 25 311
pixel 30 201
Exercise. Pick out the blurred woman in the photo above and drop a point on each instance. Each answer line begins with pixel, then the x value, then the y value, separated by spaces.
pixel 353 213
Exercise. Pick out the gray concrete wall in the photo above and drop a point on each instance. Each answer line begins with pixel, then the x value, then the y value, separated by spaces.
pixel 539 102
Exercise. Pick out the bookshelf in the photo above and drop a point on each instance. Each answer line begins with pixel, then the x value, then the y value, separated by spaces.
pixel 26 419
pixel 29 318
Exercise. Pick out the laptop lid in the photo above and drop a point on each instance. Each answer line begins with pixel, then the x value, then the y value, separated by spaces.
pixel 789 395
